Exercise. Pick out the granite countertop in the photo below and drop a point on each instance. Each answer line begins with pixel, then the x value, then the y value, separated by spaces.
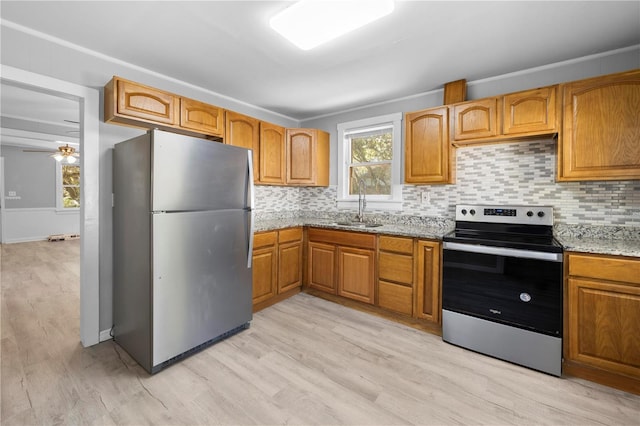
pixel 601 246
pixel 436 231
pixel 621 241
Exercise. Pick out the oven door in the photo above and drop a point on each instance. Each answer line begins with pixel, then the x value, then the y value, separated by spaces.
pixel 519 288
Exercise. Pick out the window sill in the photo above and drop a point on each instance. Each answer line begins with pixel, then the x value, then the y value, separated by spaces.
pixel 392 205
pixel 68 211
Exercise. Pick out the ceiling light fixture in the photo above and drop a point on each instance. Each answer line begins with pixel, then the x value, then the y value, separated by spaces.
pixel 309 23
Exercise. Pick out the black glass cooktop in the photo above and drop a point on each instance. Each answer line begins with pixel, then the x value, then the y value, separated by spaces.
pixel 535 238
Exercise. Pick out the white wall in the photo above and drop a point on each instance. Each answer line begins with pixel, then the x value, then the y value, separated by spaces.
pixel 36 224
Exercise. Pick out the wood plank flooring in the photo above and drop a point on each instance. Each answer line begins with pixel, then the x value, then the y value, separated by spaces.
pixel 303 361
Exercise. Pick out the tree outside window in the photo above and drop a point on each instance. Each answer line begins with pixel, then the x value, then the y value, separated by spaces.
pixel 70 186
pixel 371 157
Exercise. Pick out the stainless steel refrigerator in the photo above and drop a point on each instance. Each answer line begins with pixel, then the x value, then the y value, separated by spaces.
pixel 182 243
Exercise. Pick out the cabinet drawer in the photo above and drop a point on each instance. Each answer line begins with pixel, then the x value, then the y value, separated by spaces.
pixel 396 267
pixel 263 239
pixel 396 244
pixel 343 238
pixel 395 297
pixel 605 267
pixel 290 234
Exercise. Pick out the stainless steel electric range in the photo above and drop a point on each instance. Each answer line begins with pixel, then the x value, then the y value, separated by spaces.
pixel 502 285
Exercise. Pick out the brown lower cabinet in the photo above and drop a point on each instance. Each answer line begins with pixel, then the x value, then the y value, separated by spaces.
pixel 277 266
pixel 397 274
pixel 602 319
pixel 428 281
pixel 342 263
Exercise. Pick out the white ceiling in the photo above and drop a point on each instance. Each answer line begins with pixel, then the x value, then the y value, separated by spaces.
pixel 227 46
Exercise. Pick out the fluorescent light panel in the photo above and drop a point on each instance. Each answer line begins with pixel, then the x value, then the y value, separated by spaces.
pixel 309 23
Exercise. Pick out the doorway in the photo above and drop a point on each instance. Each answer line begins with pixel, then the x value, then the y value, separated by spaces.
pixel 88 100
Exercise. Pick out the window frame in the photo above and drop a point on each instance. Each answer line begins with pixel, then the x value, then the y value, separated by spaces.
pixel 60 188
pixel 374 202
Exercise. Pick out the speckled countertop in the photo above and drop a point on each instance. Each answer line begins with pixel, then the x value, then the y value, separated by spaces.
pixel 622 241
pixel 617 240
pixel 435 231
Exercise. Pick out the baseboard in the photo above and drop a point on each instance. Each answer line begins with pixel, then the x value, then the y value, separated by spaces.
pixel 105 335
pixel 24 240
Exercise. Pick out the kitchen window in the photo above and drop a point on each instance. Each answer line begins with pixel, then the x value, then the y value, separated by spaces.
pixel 369 152
pixel 68 186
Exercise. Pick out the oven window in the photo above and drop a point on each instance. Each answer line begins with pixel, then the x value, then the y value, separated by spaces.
pixel 525 293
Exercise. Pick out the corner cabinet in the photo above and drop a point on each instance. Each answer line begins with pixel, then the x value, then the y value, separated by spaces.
pixel 429 158
pixel 277 266
pixel 600 139
pixel 307 153
pixel 506 118
pixel 265 266
pixel 602 319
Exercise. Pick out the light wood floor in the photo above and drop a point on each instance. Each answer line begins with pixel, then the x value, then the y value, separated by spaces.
pixel 303 361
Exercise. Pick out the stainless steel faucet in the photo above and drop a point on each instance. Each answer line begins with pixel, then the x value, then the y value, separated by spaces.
pixel 362 199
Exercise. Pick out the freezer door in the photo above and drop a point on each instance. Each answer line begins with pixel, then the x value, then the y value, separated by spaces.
pixel 201 282
pixel 196 174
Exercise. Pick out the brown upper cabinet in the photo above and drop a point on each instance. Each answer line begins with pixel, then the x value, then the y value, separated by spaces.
pixel 244 131
pixel 134 104
pixel 504 118
pixel 272 154
pixel 201 117
pixel 429 157
pixel 126 100
pixel 307 154
pixel 600 137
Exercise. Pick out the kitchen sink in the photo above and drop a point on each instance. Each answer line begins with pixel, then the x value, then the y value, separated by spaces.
pixel 359 224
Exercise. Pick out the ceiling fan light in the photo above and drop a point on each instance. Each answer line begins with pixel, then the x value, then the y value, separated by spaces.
pixel 310 23
pixel 71 159
pixel 58 157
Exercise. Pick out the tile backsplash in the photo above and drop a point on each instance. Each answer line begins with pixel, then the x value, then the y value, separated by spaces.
pixel 514 173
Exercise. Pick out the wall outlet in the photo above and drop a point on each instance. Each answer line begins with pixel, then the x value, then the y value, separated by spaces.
pixel 424 197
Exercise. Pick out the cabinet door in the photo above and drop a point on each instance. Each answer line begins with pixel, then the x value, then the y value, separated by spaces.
pixel 244 131
pixel 264 273
pixel 428 277
pixel 601 129
pixel 201 117
pixel 143 102
pixel 300 156
pixel 427 149
pixel 604 325
pixel 289 266
pixel 307 157
pixel 475 119
pixel 356 269
pixel 530 112
pixel 272 153
pixel 322 262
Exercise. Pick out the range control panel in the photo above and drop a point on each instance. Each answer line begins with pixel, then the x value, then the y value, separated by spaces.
pixel 529 215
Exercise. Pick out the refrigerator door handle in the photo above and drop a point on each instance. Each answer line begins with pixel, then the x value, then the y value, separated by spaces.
pixel 250 203
pixel 250 242
pixel 250 189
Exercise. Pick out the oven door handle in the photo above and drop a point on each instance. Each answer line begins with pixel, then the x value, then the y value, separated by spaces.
pixel 503 251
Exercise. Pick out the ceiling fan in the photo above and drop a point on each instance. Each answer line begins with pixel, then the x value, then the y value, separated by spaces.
pixel 64 154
